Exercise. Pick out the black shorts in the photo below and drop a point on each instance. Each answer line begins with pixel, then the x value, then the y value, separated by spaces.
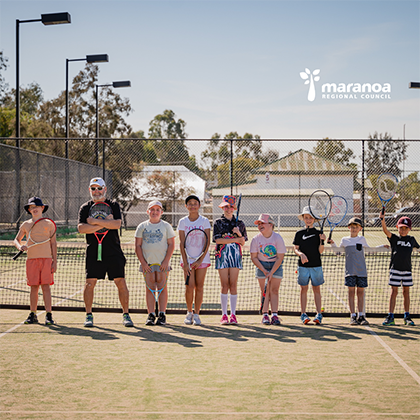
pixel 113 266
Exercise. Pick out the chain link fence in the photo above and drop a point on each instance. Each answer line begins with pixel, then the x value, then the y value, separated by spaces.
pixel 273 176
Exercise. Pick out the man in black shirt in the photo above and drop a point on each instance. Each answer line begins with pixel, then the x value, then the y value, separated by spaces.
pixel 113 261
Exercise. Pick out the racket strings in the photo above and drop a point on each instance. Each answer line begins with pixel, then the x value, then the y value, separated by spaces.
pixel 42 231
pixel 387 186
pixel 195 243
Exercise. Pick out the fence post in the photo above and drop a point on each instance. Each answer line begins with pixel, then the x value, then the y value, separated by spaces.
pixel 362 195
pixel 18 189
pixel 231 166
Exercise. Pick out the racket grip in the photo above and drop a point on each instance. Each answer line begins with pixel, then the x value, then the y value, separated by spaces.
pixel 16 256
pixel 157 309
pixel 99 252
pixel 330 236
pixel 383 210
pixel 187 280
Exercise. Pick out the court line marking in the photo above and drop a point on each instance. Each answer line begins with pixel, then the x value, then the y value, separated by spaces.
pixel 40 313
pixel 395 355
pixel 220 413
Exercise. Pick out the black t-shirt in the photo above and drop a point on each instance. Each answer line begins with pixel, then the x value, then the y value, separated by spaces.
pixel 111 245
pixel 308 241
pixel 402 247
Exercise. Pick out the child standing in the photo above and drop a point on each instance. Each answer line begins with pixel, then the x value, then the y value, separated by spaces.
pixel 356 273
pixel 267 253
pixel 400 266
pixel 41 263
pixel 155 244
pixel 196 269
pixel 308 246
pixel 229 235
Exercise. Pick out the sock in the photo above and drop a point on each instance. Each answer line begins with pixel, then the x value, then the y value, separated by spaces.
pixel 406 314
pixel 89 313
pixel 353 314
pixel 233 300
pixel 361 314
pixel 224 302
pixel 274 314
pixel 161 312
pixel 391 315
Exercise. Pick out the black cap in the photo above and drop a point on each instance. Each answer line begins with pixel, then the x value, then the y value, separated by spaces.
pixel 192 197
pixel 35 201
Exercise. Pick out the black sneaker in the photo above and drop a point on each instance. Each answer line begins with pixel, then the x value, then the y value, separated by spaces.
pixel 362 320
pixel 151 319
pixel 32 318
pixel 161 319
pixel 408 321
pixel 48 319
pixel 354 320
pixel 389 320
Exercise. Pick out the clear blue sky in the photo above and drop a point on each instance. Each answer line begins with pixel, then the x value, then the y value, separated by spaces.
pixel 233 65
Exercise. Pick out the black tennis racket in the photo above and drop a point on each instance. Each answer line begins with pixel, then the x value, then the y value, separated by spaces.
pixel 41 232
pixel 320 207
pixel 386 188
pixel 100 210
pixel 338 212
pixel 263 295
pixel 156 292
pixel 195 245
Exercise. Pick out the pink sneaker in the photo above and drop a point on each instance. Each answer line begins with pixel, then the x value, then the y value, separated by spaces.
pixel 224 320
pixel 233 319
pixel 266 319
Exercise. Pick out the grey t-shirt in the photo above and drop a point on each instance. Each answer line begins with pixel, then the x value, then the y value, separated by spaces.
pixel 355 255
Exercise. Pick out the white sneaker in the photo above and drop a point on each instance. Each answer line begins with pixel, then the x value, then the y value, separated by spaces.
pixel 197 320
pixel 188 318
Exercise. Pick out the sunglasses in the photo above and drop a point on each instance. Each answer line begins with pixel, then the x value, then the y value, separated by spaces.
pixel 96 188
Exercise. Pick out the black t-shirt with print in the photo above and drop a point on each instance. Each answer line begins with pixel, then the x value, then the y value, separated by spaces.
pixel 308 241
pixel 402 247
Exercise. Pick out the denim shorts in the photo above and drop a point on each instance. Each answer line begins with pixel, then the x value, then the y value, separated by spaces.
pixel 315 274
pixel 268 265
pixel 355 281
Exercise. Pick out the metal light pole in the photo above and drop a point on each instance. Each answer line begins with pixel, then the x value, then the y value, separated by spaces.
pixel 46 19
pixel 119 84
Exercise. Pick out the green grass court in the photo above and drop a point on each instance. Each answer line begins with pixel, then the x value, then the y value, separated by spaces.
pixel 249 371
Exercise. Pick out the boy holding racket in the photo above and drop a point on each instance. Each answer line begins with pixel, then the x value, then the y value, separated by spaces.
pixel 196 270
pixel 41 263
pixel 400 267
pixel 230 235
pixel 113 261
pixel 267 253
pixel 155 244
pixel 308 246
pixel 356 272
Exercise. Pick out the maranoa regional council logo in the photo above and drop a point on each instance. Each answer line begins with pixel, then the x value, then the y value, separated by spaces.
pixel 344 90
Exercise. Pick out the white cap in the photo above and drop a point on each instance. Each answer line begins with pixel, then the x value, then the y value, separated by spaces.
pixel 97 181
pixel 305 210
pixel 155 203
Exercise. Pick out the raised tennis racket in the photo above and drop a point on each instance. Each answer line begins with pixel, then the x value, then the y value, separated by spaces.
pixel 100 210
pixel 386 188
pixel 40 233
pixel 263 296
pixel 195 245
pixel 156 292
pixel 338 212
pixel 320 207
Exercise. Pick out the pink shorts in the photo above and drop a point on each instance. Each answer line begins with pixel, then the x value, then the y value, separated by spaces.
pixel 203 265
pixel 38 271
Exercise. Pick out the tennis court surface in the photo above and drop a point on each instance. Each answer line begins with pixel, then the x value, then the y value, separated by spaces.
pixel 249 371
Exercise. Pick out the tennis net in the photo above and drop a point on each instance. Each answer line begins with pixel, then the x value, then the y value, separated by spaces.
pixel 67 292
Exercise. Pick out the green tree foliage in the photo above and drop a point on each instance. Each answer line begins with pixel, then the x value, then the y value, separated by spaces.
pixel 248 155
pixel 112 108
pixel 409 190
pixel 334 150
pixel 384 154
pixel 166 126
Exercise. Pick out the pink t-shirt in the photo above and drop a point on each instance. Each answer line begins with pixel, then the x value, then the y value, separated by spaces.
pixel 268 248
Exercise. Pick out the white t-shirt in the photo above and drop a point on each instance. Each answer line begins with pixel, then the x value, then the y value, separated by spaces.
pixel 186 225
pixel 355 256
pixel 268 248
pixel 155 240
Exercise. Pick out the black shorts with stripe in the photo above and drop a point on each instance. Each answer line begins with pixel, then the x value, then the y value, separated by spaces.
pixel 398 278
